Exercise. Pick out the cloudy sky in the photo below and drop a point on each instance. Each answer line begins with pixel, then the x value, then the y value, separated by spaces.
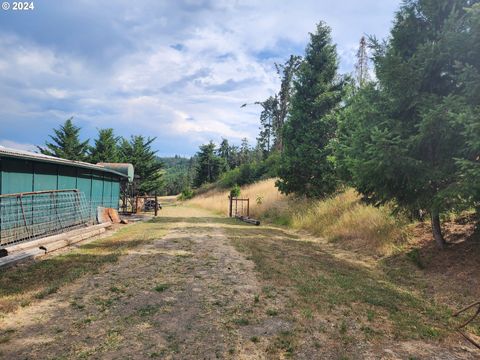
pixel 178 70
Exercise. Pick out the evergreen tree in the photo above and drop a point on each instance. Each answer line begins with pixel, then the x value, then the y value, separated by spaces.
pixel 66 143
pixel 469 77
pixel 244 152
pixel 225 152
pixel 413 138
pixel 275 109
pixel 148 168
pixel 234 157
pixel 287 72
pixel 268 117
pixel 306 168
pixel 105 148
pixel 209 165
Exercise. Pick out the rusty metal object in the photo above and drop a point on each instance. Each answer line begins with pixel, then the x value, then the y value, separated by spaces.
pixel 460 328
pixel 241 210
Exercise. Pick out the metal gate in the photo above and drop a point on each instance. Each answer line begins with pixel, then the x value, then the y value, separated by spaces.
pixel 239 207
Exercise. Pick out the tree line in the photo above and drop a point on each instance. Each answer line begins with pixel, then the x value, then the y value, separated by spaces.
pixel 107 147
pixel 405 132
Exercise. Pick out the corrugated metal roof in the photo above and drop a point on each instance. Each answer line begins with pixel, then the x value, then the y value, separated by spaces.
pixel 27 155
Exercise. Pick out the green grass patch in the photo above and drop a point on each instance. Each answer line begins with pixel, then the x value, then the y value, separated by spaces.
pixel 322 282
pixel 161 287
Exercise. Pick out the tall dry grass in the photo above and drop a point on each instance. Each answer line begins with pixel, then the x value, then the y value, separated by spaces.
pixel 343 218
pixel 263 196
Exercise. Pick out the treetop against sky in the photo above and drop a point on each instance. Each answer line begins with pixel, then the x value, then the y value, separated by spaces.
pixel 177 70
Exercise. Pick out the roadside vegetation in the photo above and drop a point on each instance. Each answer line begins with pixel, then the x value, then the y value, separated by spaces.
pixel 341 218
pixel 406 139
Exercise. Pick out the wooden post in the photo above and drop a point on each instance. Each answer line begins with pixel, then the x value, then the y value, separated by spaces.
pixel 248 207
pixel 156 204
pixel 231 206
pixel 136 204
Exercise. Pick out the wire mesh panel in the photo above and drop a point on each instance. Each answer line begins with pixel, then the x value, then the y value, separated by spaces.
pixel 27 216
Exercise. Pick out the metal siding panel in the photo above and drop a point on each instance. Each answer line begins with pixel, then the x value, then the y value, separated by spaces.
pixel 67 178
pixel 17 176
pixel 115 193
pixel 97 189
pixel 45 176
pixel 107 191
pixel 84 183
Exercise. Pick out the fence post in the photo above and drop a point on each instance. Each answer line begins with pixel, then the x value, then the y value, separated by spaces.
pixel 136 204
pixel 248 207
pixel 156 204
pixel 231 205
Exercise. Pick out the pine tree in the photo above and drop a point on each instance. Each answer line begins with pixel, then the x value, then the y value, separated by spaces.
pixel 209 165
pixel 225 152
pixel 268 117
pixel 275 109
pixel 287 72
pixel 138 152
pixel 105 148
pixel 244 152
pixel 306 168
pixel 411 138
pixel 66 143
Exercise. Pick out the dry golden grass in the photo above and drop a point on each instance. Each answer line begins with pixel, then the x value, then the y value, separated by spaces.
pixel 263 196
pixel 344 219
pixel 341 218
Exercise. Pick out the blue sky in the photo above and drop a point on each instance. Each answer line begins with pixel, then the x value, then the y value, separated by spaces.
pixel 178 70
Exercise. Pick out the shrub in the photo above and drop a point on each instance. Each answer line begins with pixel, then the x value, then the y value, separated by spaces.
pixel 235 191
pixel 186 194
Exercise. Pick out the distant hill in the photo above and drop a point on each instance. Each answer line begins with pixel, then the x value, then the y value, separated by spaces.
pixel 178 174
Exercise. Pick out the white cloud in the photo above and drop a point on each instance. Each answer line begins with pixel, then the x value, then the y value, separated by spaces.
pixel 181 69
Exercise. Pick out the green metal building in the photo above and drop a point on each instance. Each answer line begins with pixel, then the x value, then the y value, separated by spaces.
pixel 43 195
pixel 23 171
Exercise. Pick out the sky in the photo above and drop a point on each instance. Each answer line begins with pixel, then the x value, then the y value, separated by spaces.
pixel 176 70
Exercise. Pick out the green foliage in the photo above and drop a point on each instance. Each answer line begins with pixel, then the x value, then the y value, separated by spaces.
pixel 251 172
pixel 178 174
pixel 209 165
pixel 415 257
pixel 268 117
pixel 66 143
pixel 186 194
pixel 235 191
pixel 105 148
pixel 138 151
pixel 414 136
pixel 229 154
pixel 287 73
pixel 306 166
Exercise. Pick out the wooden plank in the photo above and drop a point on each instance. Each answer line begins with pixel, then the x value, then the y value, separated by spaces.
pixel 37 243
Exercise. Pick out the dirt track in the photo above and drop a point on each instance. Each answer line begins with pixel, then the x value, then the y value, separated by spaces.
pixel 192 295
pixel 177 297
